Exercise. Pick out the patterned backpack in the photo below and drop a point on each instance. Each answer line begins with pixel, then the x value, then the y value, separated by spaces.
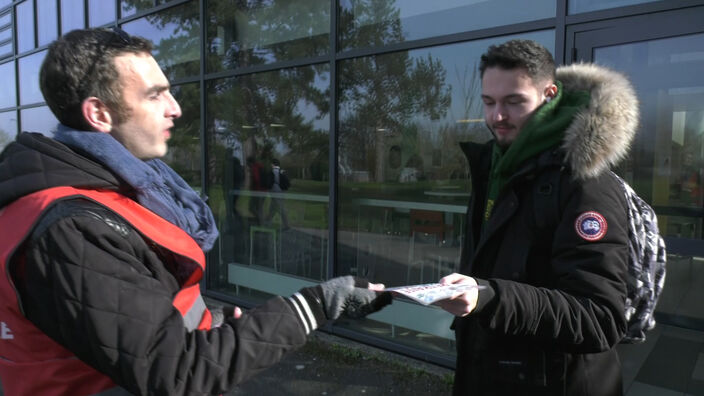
pixel 647 256
pixel 646 265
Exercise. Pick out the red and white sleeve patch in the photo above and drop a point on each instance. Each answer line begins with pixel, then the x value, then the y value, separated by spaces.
pixel 591 226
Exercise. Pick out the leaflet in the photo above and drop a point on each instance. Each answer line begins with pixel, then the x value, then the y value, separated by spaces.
pixel 429 293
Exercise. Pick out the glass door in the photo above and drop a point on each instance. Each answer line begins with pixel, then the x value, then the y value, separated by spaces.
pixel 663 55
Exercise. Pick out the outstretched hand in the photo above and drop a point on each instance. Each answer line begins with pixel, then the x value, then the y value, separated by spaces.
pixel 352 296
pixel 463 303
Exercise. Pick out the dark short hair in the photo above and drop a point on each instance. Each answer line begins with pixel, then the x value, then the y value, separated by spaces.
pixel 81 64
pixel 527 54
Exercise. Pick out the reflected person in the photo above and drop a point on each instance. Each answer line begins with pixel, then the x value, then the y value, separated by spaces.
pixel 276 203
pixel 102 246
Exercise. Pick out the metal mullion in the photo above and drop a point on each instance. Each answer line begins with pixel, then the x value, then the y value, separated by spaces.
pixel 36 23
pixel 560 14
pixel 333 139
pixel 203 121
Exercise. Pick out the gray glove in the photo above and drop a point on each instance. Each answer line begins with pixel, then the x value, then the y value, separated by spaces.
pixel 346 295
pixel 351 296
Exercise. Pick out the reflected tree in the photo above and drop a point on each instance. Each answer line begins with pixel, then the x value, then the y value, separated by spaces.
pixel 380 95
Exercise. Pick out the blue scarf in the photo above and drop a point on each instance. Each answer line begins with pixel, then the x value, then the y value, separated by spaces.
pixel 158 187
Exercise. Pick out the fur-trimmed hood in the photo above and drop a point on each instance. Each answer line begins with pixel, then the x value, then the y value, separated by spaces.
pixel 601 134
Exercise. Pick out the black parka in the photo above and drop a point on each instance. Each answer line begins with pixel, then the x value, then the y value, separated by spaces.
pixel 553 309
pixel 92 283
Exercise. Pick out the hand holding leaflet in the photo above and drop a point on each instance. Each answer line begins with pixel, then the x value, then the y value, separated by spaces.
pixel 429 293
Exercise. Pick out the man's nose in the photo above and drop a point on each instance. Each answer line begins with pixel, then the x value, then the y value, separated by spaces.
pixel 173 110
pixel 498 113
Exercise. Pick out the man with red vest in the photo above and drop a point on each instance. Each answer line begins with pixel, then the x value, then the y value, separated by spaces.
pixel 102 246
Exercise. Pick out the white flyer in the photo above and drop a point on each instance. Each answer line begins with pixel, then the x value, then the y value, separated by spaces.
pixel 429 293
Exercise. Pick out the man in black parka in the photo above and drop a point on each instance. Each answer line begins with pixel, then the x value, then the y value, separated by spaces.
pixel 546 236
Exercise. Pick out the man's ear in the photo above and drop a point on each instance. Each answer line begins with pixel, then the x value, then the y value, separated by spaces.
pixel 551 91
pixel 96 114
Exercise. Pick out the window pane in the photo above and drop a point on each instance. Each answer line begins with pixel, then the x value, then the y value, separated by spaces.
pixel 6 49
pixel 131 7
pixel 4 3
pixel 184 154
pixel 72 15
pixel 28 68
pixel 46 21
pixel 5 34
pixel 666 164
pixel 365 23
pixel 8 128
pixel 244 33
pixel 577 6
pixel 6 18
pixel 175 33
pixel 24 14
pixel 101 12
pixel 267 233
pixel 38 119
pixel 8 92
pixel 403 180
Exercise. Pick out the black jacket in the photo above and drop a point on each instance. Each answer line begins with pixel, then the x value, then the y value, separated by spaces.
pixel 81 256
pixel 553 309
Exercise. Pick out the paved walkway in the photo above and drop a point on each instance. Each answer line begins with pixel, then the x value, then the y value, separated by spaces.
pixel 329 365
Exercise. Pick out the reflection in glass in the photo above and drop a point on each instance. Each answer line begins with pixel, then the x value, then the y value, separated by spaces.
pixel 8 128
pixel 4 3
pixel 175 33
pixel 72 15
pixel 667 159
pixel 253 121
pixel 371 23
pixel 577 6
pixel 38 119
pixel 28 70
pixel 244 33
pixel 47 28
pixel 184 154
pixel 101 12
pixel 131 7
pixel 8 92
pixel 403 180
pixel 24 18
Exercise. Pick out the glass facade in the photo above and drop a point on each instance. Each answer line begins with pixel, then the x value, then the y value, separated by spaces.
pixel 101 12
pixel 245 33
pixel 252 121
pixel 8 91
pixel 72 15
pixel 28 72
pixel 374 23
pixel 175 33
pixel 5 33
pixel 38 119
pixel 47 25
pixel 577 6
pixel 8 127
pixel 363 103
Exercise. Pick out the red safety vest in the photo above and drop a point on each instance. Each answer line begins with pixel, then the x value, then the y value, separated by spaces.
pixel 33 364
